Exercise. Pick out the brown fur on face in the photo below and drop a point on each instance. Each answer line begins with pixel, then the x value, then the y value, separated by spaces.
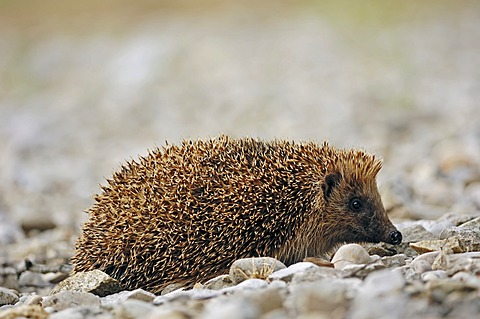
pixel 185 213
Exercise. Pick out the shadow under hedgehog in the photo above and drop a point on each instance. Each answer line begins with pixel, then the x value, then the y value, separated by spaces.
pixel 184 213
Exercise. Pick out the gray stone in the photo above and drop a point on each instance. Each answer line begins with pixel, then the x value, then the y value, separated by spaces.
pixel 232 307
pixel 258 267
pixel 23 311
pixel 9 278
pixel 469 235
pixel 8 296
pixel 323 297
pixel 138 294
pixel 95 282
pixel 434 275
pixel 416 233
pixel 67 299
pixel 473 223
pixel 32 279
pixel 81 312
pixel 350 254
pixel 163 313
pixel 219 282
pixel 131 308
pixel 286 274
pixel 193 294
pixel 380 296
pixel 315 274
pixel 455 244
pixel 248 284
pixel 394 261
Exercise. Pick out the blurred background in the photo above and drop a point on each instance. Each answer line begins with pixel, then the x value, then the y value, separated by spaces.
pixel 87 85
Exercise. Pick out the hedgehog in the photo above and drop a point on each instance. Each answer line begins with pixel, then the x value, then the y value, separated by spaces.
pixel 183 213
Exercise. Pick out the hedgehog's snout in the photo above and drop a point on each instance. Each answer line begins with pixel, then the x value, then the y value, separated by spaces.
pixel 395 237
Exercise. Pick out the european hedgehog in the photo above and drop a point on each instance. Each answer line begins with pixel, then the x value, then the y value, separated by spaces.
pixel 183 214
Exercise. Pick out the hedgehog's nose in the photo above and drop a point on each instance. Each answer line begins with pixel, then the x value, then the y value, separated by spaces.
pixel 395 237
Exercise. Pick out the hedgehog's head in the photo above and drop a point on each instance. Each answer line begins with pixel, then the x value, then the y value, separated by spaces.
pixel 351 199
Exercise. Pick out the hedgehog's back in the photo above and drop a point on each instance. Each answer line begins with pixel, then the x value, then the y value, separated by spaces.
pixel 184 213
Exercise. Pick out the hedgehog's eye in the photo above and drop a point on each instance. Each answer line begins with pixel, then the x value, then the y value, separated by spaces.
pixel 355 204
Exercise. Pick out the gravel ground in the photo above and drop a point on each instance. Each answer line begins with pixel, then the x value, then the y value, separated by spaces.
pixel 85 87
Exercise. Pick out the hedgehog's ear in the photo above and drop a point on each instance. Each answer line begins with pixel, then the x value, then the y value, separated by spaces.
pixel 330 182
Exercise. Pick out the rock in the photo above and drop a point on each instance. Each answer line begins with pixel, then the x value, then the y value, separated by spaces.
pixel 32 300
pixel 455 244
pixel 32 279
pixel 425 260
pixel 394 261
pixel 264 299
pixel 193 294
pixel 67 299
pixel 24 311
pixel 137 294
pixel 9 278
pixel 231 307
pixel 318 261
pixel 286 274
pixel 259 267
pixel 381 249
pixel 416 233
pixel 95 282
pixel 361 271
pixel 248 284
pixel 131 308
pixel 350 254
pixel 434 275
pixel 162 313
pixel 473 223
pixel 380 296
pixel 81 313
pixel 8 297
pixel 323 297
pixel 315 274
pixel 171 287
pixel 466 262
pixel 469 235
pixel 219 282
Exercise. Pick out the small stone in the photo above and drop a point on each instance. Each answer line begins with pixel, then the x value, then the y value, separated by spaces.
pixel 422 266
pixel 470 236
pixel 193 294
pixel 131 308
pixel 454 243
pixel 350 254
pixel 33 300
pixel 315 274
pixel 323 297
pixel 95 282
pixel 427 258
pixel 66 299
pixel 248 284
pixel 137 294
pixel 162 313
pixel 24 311
pixel 259 267
pixel 8 297
pixel 471 223
pixel 287 274
pixel 9 278
pixel 382 282
pixel 416 233
pixel 32 279
pixel 394 261
pixel 170 288
pixel 219 282
pixel 434 275
pixel 318 261
pixel 80 312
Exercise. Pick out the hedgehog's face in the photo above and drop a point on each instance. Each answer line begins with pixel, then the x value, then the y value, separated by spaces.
pixel 356 207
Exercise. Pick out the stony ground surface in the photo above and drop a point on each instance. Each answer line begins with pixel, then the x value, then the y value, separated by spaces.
pixel 85 87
